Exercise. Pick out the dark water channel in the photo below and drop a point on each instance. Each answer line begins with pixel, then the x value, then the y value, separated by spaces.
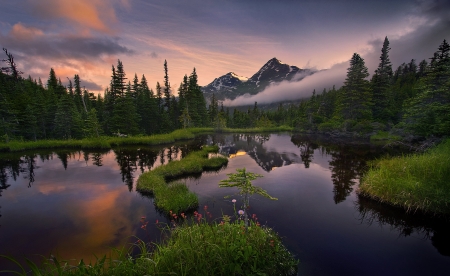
pixel 74 204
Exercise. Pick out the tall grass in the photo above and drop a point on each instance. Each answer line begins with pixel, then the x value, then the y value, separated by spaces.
pixel 224 248
pixel 259 129
pixel 107 142
pixel 176 197
pixel 193 248
pixel 98 143
pixel 414 182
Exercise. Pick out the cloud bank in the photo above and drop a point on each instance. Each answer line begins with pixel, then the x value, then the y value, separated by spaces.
pixel 295 90
pixel 419 43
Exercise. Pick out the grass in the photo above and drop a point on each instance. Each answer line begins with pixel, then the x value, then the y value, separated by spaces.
pixel 258 129
pixel 107 142
pixel 414 182
pixel 193 248
pixel 384 136
pixel 175 197
pixel 224 248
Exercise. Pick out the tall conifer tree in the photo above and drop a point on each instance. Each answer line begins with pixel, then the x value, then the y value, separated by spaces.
pixel 381 80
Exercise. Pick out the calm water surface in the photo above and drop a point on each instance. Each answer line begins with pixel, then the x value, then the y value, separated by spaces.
pixel 74 204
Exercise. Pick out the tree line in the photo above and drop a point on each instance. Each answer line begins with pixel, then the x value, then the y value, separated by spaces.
pixel 414 99
pixel 31 111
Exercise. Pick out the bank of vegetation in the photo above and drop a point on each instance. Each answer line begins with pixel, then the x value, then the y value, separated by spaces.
pixel 175 197
pixel 416 182
pixel 194 247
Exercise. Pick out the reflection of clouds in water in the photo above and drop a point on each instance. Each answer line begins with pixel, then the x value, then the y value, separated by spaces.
pixel 102 219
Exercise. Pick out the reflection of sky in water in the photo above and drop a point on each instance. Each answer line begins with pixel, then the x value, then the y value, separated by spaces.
pixel 86 209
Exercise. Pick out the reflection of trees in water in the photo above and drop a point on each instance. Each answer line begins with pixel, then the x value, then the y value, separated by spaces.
pixel 130 159
pixel 30 161
pixel 436 229
pixel 127 160
pixel 306 150
pixel 97 159
pixel 10 166
pixel 344 172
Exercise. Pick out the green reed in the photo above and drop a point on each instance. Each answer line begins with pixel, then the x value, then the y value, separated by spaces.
pixel 414 182
pixel 176 197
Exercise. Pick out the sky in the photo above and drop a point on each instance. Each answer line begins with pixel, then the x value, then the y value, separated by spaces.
pixel 87 37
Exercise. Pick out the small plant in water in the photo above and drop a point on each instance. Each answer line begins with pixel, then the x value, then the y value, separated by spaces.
pixel 243 181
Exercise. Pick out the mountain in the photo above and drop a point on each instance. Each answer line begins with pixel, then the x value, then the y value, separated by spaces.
pixel 230 86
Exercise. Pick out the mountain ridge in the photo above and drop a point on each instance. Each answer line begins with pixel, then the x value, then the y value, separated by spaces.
pixel 231 85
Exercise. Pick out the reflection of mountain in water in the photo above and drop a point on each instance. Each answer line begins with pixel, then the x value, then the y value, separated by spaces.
pixel 253 145
pixel 437 229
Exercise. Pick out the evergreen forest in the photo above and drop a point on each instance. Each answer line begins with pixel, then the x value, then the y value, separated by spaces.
pixel 411 100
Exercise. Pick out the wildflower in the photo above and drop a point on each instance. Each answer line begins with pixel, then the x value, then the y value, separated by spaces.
pixel 182 215
pixel 156 221
pixel 241 212
pixel 233 200
pixel 206 207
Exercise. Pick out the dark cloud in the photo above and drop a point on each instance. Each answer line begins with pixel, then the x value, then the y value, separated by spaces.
pixel 419 44
pixel 33 42
pixel 90 85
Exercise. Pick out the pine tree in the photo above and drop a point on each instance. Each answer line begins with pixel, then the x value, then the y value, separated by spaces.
pixel 381 80
pixel 120 81
pixel 166 87
pixel 355 98
pixel 196 102
pixel 91 126
pixel 159 101
pixel 428 112
pixel 78 94
pixel 67 119
pixel 125 119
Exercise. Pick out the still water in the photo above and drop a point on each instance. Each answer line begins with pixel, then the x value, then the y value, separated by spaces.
pixel 74 204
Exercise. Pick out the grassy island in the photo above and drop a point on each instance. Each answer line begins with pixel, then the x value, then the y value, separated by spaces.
pixel 417 182
pixel 175 197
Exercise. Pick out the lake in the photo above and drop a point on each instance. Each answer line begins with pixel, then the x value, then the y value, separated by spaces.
pixel 74 204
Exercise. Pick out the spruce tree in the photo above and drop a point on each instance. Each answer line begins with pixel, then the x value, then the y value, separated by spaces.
pixel 428 112
pixel 381 80
pixel 355 97
pixel 166 87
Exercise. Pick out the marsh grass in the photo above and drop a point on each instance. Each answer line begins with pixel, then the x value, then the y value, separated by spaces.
pixel 258 129
pixel 384 136
pixel 176 197
pixel 107 142
pixel 103 142
pixel 224 248
pixel 193 247
pixel 417 182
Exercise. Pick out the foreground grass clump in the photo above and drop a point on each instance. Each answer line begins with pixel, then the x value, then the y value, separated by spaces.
pixel 225 248
pixel 176 197
pixel 414 182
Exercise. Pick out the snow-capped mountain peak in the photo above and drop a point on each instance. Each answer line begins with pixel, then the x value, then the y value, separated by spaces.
pixel 232 85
